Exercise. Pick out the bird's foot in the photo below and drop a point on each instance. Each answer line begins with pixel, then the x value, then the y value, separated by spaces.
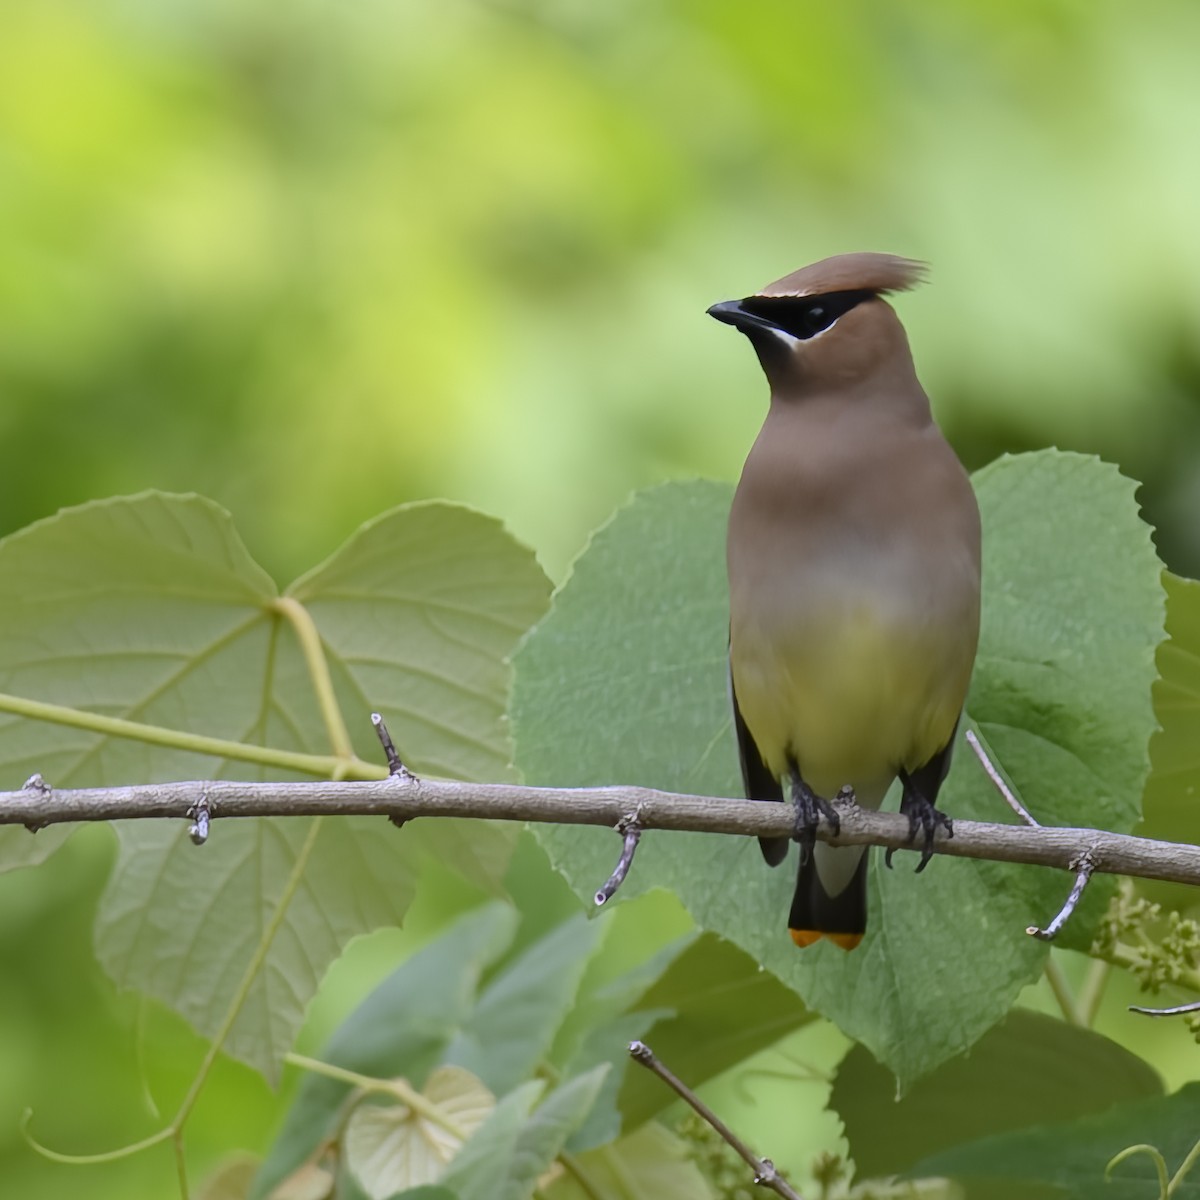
pixel 921 815
pixel 810 808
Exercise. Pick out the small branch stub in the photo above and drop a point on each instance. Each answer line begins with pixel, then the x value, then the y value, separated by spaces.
pixel 632 831
pixel 1180 1010
pixel 1083 866
pixel 765 1174
pixel 395 766
pixel 198 831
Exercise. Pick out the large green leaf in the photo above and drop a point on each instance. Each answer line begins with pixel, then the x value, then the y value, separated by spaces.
pixel 1072 1155
pixel 638 634
pixel 419 612
pixel 989 1091
pixel 1172 798
pixel 401 1029
pixel 150 608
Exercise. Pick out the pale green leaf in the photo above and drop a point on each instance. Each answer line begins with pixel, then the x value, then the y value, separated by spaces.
pixel 184 924
pixel 231 1180
pixel 401 1028
pixel 486 1160
pixel 639 631
pixel 308 1182
pixel 392 1147
pixel 23 848
pixel 420 611
pixel 150 608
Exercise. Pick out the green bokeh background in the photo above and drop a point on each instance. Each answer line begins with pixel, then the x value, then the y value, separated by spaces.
pixel 316 259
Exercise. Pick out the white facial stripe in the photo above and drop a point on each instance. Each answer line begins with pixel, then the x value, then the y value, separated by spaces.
pixel 786 338
pixel 791 342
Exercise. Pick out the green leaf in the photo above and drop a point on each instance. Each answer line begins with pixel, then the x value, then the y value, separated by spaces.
pixel 150 608
pixel 419 612
pixel 649 1164
pixel 393 1147
pixel 1172 799
pixel 986 1092
pixel 184 924
pixel 1072 1155
pixel 486 1160
pixel 230 1180
pixel 22 848
pixel 545 1134
pixel 401 1029
pixel 724 1009
pixel 519 1012
pixel 146 607
pixel 1068 711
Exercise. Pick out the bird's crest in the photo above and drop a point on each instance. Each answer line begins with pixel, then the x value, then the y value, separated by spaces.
pixel 863 272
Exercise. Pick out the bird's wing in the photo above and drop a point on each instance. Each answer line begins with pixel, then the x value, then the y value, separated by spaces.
pixel 759 783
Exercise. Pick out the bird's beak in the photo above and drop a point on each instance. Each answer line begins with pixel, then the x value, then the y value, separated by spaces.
pixel 734 312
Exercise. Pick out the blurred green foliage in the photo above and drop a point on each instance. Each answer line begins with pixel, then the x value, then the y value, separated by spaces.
pixel 314 260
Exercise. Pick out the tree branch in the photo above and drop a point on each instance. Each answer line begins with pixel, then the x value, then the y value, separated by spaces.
pixel 403 799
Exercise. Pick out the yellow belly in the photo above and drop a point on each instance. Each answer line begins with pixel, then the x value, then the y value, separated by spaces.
pixel 850 696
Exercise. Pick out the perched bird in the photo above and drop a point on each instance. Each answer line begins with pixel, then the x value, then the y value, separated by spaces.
pixel 853 558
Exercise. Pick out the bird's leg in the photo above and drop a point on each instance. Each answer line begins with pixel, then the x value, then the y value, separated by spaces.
pixel 810 808
pixel 922 815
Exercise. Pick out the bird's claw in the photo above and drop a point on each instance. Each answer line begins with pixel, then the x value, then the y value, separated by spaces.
pixel 810 808
pixel 922 815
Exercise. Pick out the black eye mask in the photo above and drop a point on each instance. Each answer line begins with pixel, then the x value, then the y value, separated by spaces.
pixel 805 315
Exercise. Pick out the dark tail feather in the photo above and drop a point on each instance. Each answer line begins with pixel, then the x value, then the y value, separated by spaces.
pixel 816 914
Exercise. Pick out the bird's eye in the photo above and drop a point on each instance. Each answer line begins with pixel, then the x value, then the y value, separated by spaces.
pixel 805 316
pixel 817 318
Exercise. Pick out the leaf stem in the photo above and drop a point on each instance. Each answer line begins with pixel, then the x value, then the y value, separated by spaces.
pixel 400 1088
pixel 1092 991
pixel 84 1160
pixel 578 1172
pixel 1155 1156
pixel 322 766
pixel 250 974
pixel 311 647
pixel 1061 987
pixel 1185 1168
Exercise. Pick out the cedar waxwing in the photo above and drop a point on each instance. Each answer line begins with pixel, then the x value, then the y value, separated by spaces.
pixel 853 560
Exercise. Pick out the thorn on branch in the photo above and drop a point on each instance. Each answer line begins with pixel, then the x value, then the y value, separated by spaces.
pixel 36 784
pixel 200 814
pixel 765 1173
pixel 1083 866
pixel 395 766
pixel 632 831
pixel 998 780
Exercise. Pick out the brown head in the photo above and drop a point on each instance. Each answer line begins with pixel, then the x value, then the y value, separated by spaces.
pixel 827 327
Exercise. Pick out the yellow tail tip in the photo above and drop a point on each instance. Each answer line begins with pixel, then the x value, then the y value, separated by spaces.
pixel 806 937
